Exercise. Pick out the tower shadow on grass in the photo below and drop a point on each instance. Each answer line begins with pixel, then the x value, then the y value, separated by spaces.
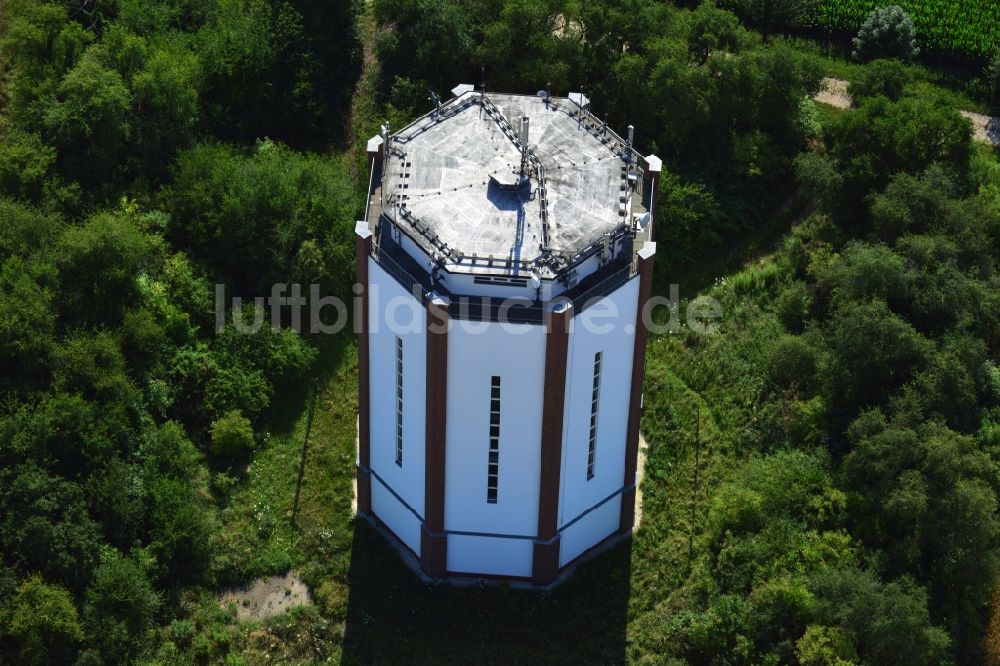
pixel 393 617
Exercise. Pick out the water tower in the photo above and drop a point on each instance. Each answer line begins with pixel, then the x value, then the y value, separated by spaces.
pixel 505 259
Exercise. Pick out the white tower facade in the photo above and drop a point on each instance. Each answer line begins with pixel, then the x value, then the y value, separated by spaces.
pixel 505 261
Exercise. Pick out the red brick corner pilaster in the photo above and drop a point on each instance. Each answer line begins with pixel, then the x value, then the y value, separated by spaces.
pixel 635 399
pixel 545 561
pixel 433 540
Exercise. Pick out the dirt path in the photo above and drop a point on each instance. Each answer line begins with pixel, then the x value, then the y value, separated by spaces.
pixel 985 128
pixel 361 97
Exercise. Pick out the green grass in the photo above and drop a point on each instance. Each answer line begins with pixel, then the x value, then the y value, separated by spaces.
pixel 827 113
pixel 259 536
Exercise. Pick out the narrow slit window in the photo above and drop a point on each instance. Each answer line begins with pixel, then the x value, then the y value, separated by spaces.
pixel 595 398
pixel 399 401
pixel 493 468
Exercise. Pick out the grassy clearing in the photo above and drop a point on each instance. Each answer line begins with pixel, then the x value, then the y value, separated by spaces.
pixel 259 536
pixel 827 113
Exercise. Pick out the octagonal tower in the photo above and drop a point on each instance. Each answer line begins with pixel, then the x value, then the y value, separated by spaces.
pixel 505 259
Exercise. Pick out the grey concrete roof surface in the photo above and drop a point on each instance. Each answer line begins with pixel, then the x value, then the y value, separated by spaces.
pixel 452 171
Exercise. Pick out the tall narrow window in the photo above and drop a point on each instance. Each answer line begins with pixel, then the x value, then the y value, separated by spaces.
pixel 493 470
pixel 399 401
pixel 594 399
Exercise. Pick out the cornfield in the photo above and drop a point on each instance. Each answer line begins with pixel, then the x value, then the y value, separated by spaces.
pixel 957 26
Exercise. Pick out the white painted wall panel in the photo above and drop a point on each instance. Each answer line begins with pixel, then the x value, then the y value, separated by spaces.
pixel 519 359
pixel 488 555
pixel 391 303
pixel 396 516
pixel 588 336
pixel 589 531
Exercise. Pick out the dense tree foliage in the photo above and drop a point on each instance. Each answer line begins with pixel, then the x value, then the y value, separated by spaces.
pixel 864 362
pixel 119 207
pixel 151 150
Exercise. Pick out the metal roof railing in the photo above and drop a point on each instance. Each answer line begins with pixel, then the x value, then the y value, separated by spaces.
pixel 512 310
pixel 556 260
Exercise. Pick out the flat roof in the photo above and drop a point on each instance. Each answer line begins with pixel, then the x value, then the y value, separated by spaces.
pixel 450 178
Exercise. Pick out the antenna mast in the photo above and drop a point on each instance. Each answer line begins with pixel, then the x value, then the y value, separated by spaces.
pixel 524 146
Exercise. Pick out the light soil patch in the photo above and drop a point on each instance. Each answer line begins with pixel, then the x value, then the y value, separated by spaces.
pixel 985 128
pixel 834 93
pixel 266 597
pixel 357 456
pixel 640 473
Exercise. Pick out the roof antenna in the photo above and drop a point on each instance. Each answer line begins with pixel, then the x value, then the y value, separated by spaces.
pixel 482 89
pixel 631 134
pixel 436 100
pixel 579 118
pixel 525 123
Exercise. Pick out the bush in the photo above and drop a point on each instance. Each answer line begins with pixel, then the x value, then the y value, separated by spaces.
pixel 874 352
pixel 119 608
pixel 181 531
pixel 870 271
pixel 232 438
pixel 43 623
pixel 793 306
pixel 882 138
pixel 791 362
pixel 881 77
pixel 808 422
pixel 825 646
pixel 268 203
pixel 819 177
pixel 889 622
pixel 887 33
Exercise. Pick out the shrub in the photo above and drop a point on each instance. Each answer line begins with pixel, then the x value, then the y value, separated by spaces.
pixel 887 33
pixel 793 305
pixel 874 352
pixel 808 422
pixel 866 271
pixel 819 177
pixel 881 77
pixel 43 623
pixel 825 646
pixel 119 608
pixel 791 362
pixel 232 438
